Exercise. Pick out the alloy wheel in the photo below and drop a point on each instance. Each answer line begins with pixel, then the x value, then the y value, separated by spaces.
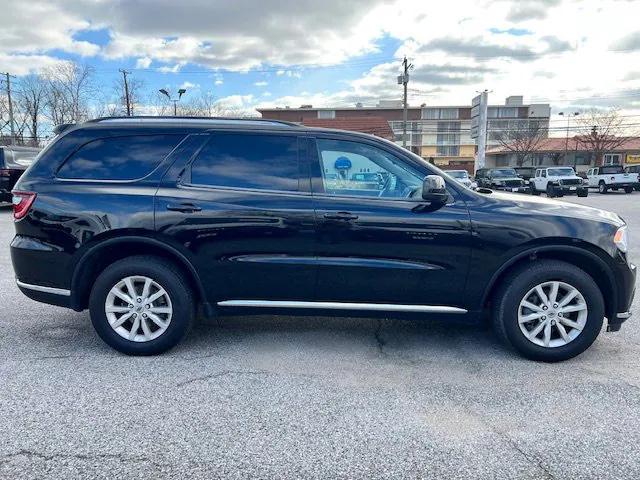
pixel 552 314
pixel 138 309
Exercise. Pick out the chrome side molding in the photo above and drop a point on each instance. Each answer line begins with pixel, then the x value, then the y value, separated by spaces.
pixel 389 307
pixel 40 288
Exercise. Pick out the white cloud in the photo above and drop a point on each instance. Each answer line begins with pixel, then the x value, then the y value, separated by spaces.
pixel 166 69
pixel 261 83
pixel 144 62
pixel 511 47
pixel 189 85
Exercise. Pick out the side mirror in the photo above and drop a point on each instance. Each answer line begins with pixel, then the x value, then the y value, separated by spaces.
pixel 434 189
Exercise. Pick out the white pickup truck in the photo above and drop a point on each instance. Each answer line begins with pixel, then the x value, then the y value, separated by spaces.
pixel 611 177
pixel 557 181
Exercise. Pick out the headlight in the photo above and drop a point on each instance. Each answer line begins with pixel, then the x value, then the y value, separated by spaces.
pixel 473 185
pixel 621 239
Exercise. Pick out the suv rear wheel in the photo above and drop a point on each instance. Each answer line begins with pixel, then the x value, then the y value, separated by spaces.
pixel 141 305
pixel 549 311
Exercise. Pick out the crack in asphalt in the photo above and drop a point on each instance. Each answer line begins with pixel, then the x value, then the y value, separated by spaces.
pixel 80 456
pixel 380 342
pixel 223 374
pixel 531 459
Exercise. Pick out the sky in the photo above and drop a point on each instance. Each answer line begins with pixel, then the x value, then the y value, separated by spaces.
pixel 249 54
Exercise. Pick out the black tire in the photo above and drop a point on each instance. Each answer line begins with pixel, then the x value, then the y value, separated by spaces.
pixel 533 190
pixel 165 274
pixel 637 188
pixel 583 193
pixel 602 187
pixel 628 189
pixel 512 290
pixel 551 192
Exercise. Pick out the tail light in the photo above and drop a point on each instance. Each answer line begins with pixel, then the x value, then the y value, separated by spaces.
pixel 22 202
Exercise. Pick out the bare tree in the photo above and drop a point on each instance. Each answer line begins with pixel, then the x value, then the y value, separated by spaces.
pixel 159 105
pixel 557 157
pixel 521 138
pixel 606 132
pixel 136 89
pixel 31 104
pixel 207 105
pixel 69 88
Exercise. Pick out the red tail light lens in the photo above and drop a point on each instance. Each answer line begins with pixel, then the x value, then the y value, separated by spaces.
pixel 22 202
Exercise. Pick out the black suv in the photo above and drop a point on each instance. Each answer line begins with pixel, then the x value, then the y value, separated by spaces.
pixel 504 178
pixel 14 161
pixel 148 221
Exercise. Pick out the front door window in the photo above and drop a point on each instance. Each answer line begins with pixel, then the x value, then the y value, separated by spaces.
pixel 360 170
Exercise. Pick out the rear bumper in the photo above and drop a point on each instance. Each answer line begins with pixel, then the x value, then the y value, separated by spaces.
pixel 41 270
pixel 44 294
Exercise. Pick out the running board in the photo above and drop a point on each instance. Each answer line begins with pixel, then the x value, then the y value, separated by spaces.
pixel 388 307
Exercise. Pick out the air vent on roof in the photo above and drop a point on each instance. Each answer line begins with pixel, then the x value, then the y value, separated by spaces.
pixel 306 106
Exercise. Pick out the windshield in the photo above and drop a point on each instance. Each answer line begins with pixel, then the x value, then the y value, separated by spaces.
pixel 560 172
pixel 504 172
pixel 457 173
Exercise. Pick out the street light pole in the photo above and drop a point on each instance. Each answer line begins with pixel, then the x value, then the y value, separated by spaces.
pixel 175 101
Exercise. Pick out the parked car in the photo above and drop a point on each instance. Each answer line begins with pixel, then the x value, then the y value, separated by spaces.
pixel 462 176
pixel 611 177
pixel 559 181
pixel 526 173
pixel 634 169
pixel 147 221
pixel 14 161
pixel 501 179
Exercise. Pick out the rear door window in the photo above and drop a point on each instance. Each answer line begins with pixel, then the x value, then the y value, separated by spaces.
pixel 249 161
pixel 119 158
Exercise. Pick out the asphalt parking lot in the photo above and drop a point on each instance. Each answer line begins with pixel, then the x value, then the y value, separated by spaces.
pixel 282 397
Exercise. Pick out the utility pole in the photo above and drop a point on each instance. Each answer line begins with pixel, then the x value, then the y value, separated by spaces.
pixel 11 122
pixel 404 80
pixel 566 142
pixel 126 91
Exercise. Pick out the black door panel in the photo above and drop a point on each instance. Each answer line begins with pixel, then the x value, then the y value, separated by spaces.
pixel 254 243
pixel 247 245
pixel 377 242
pixel 391 254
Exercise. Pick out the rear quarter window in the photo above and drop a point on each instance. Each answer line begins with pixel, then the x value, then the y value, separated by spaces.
pixel 118 158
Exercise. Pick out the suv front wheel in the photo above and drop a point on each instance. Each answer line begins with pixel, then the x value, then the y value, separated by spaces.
pixel 141 305
pixel 549 310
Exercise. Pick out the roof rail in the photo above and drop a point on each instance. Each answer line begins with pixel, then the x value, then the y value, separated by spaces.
pixel 182 118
